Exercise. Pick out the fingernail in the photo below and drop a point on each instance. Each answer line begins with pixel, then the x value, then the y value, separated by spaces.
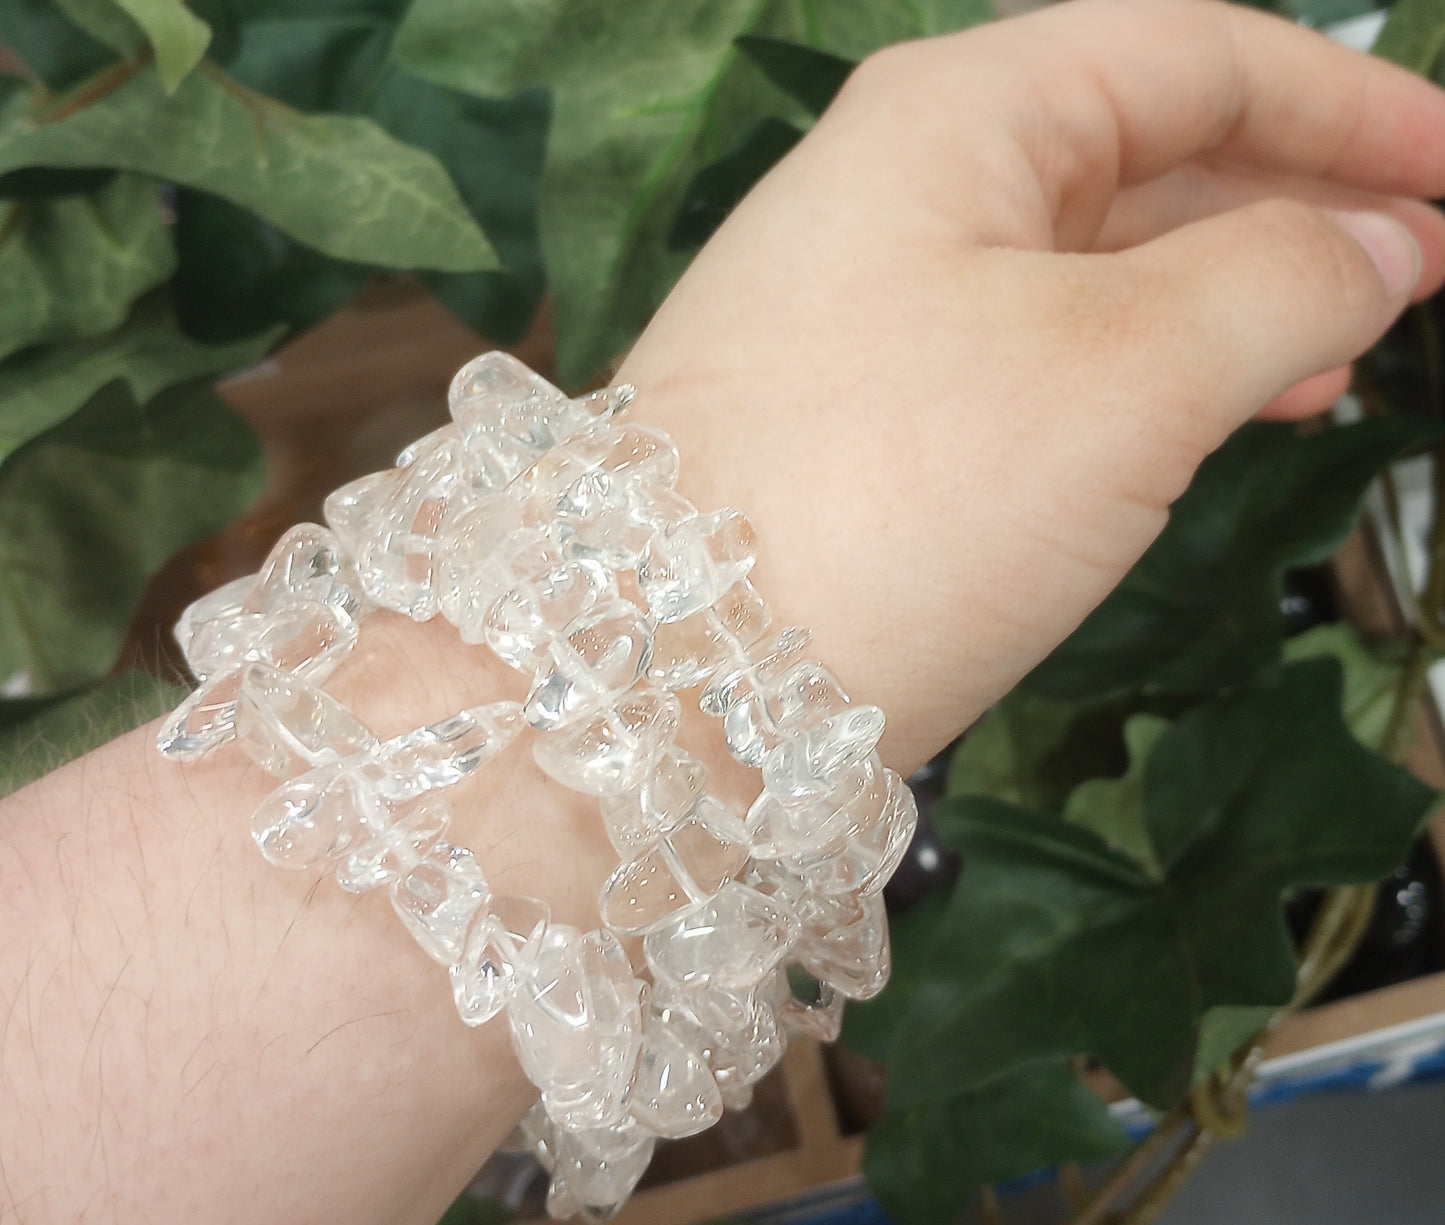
pixel 1390 246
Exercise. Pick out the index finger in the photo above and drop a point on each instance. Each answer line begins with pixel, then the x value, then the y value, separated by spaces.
pixel 1100 94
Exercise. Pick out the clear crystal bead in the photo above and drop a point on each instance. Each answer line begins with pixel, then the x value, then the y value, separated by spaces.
pixel 686 566
pixel 673 1093
pixel 307 562
pixel 427 443
pixel 881 815
pixel 576 1025
pixel 737 1033
pixel 608 469
pixel 215 630
pixel 813 1008
pixel 400 836
pixel 206 719
pixel 438 899
pixel 844 941
pixel 396 556
pixel 310 820
pixel 441 754
pixel 637 818
pixel 502 937
pixel 613 750
pixel 808 765
pixel 525 620
pixel 600 1166
pixel 733 940
pixel 686 652
pixel 766 659
pixel 474 560
pixel 688 864
pixel 508 415
pixel 288 726
pixel 598 657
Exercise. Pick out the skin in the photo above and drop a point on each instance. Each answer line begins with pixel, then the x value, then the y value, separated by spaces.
pixel 1100 238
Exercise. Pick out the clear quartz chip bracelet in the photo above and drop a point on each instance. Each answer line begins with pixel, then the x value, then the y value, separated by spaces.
pixel 550 530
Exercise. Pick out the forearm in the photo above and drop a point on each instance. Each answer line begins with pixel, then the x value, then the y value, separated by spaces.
pixel 191 1033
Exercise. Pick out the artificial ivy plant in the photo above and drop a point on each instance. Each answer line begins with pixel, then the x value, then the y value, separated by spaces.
pixel 185 187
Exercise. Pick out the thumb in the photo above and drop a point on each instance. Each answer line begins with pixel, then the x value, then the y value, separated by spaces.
pixel 1260 298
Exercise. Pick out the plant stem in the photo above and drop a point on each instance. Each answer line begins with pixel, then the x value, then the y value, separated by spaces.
pixel 94 89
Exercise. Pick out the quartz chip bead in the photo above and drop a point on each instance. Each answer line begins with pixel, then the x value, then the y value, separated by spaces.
pixel 596 658
pixel 298 614
pixel 738 692
pixel 504 935
pixel 593 1170
pixel 307 562
pixel 688 864
pixel 577 1026
pixel 600 475
pixel 547 596
pixel 686 566
pixel 844 936
pixel 399 836
pixel 611 750
pixel 637 818
pixel 392 522
pixel 508 415
pixel 737 1033
pixel 673 1093
pixel 310 820
pixel 872 819
pixel 732 940
pixel 475 558
pixel 439 898
pixel 440 754
pixel 688 651
pixel 288 726
pixel 813 1008
pixel 808 764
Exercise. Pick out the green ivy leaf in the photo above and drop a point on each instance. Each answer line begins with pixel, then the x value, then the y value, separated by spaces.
pixel 71 267
pixel 106 23
pixel 633 86
pixel 854 28
pixel 314 55
pixel 41 388
pixel 177 36
pixel 89 511
pixel 646 95
pixel 927 1161
pixel 811 76
pixel 54 49
pixel 1061 946
pixel 1113 808
pixel 57 732
pixel 337 183
pixel 494 149
pixel 716 189
pixel 1201 608
pixel 1413 35
pixel 1225 1029
pixel 1034 751
pixel 321 56
pixel 40 182
pixel 1372 675
pixel 238 274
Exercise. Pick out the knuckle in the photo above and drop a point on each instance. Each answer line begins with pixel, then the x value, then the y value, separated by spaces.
pixel 1316 254
pixel 882 75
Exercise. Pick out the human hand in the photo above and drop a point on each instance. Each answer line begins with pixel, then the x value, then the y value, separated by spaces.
pixel 957 353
